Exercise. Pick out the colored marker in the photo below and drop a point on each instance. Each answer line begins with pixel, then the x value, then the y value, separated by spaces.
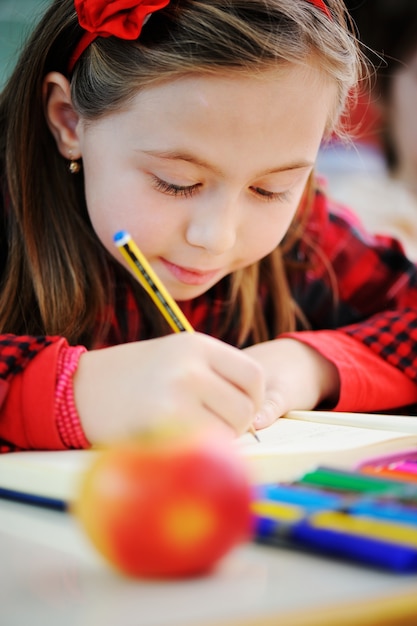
pixel 376 542
pixel 409 467
pixel 384 510
pixel 309 498
pixel 369 550
pixel 364 526
pixel 395 472
pixel 409 455
pixel 312 500
pixel 395 524
pixel 389 531
pixel 357 482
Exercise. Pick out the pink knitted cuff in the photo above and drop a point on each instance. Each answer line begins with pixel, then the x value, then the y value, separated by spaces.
pixel 66 415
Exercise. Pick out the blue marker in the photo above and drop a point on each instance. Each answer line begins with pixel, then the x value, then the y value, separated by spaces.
pixel 301 534
pixel 312 500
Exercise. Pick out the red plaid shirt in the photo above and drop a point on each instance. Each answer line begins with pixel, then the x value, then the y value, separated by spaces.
pixel 374 300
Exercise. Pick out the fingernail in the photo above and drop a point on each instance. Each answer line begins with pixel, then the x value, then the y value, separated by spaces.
pixel 259 420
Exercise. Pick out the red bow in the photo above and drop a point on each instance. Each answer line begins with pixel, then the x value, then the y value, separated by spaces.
pixel 321 5
pixel 121 18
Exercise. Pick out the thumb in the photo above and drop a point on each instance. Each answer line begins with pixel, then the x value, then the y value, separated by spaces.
pixel 272 408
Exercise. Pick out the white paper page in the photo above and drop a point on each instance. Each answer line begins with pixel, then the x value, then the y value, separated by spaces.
pixel 403 423
pixel 290 436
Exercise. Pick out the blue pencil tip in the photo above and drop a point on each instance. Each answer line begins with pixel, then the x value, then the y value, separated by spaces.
pixel 120 235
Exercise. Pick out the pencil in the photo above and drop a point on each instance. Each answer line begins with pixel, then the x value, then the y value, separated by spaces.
pixel 154 287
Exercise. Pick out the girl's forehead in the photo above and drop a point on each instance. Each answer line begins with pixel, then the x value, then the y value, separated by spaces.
pixel 232 93
pixel 281 80
pixel 277 118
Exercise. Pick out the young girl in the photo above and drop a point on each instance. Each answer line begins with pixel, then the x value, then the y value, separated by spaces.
pixel 194 125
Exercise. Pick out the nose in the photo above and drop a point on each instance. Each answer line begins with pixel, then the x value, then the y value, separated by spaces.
pixel 213 228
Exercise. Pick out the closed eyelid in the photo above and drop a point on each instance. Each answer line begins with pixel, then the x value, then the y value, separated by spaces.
pixel 186 157
pixel 270 196
pixel 173 189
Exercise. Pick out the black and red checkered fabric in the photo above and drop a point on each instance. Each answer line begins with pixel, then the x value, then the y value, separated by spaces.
pixel 345 279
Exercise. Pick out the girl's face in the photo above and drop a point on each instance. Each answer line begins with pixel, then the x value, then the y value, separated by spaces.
pixel 205 172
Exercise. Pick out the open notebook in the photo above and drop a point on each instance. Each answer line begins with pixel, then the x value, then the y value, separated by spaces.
pixel 304 439
pixel 293 445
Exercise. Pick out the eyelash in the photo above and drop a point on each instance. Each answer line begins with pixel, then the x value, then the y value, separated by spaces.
pixel 270 196
pixel 188 192
pixel 175 190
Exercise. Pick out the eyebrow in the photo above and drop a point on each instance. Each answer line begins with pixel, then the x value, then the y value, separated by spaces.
pixel 190 158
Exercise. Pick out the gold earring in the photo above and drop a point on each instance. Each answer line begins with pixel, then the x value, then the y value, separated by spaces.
pixel 74 165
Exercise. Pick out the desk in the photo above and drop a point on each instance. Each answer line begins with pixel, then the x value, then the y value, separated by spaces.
pixel 50 576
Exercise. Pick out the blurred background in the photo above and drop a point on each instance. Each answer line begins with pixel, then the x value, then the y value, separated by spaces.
pixel 16 18
pixel 375 173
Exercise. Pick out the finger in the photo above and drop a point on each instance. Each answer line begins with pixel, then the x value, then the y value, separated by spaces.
pixel 228 402
pixel 272 409
pixel 241 371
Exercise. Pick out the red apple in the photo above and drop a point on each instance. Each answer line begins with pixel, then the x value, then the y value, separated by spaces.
pixel 166 507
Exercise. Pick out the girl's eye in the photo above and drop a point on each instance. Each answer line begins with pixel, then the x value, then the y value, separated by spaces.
pixel 175 190
pixel 269 196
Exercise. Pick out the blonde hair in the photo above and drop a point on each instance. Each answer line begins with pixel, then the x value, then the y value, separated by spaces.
pixel 46 288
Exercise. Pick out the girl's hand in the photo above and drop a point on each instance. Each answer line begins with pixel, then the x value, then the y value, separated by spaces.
pixel 296 377
pixel 186 377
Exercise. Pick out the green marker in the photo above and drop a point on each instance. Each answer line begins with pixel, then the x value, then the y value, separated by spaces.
pixel 354 481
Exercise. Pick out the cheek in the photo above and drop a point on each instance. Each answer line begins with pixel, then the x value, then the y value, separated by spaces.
pixel 116 203
pixel 103 202
pixel 146 224
pixel 265 232
pixel 107 219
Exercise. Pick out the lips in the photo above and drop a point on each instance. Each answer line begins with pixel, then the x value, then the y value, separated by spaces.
pixel 190 276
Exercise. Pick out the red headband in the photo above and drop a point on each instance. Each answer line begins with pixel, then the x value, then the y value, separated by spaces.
pixel 123 19
pixel 103 18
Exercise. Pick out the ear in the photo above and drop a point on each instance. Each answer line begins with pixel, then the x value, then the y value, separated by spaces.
pixel 60 115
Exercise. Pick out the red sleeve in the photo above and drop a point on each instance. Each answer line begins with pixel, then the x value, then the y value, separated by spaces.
pixel 367 382
pixel 27 418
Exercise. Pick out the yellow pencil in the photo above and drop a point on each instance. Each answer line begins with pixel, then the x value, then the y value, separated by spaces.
pixel 151 283
pixel 154 287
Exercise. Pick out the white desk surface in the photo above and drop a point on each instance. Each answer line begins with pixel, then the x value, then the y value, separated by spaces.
pixel 50 576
